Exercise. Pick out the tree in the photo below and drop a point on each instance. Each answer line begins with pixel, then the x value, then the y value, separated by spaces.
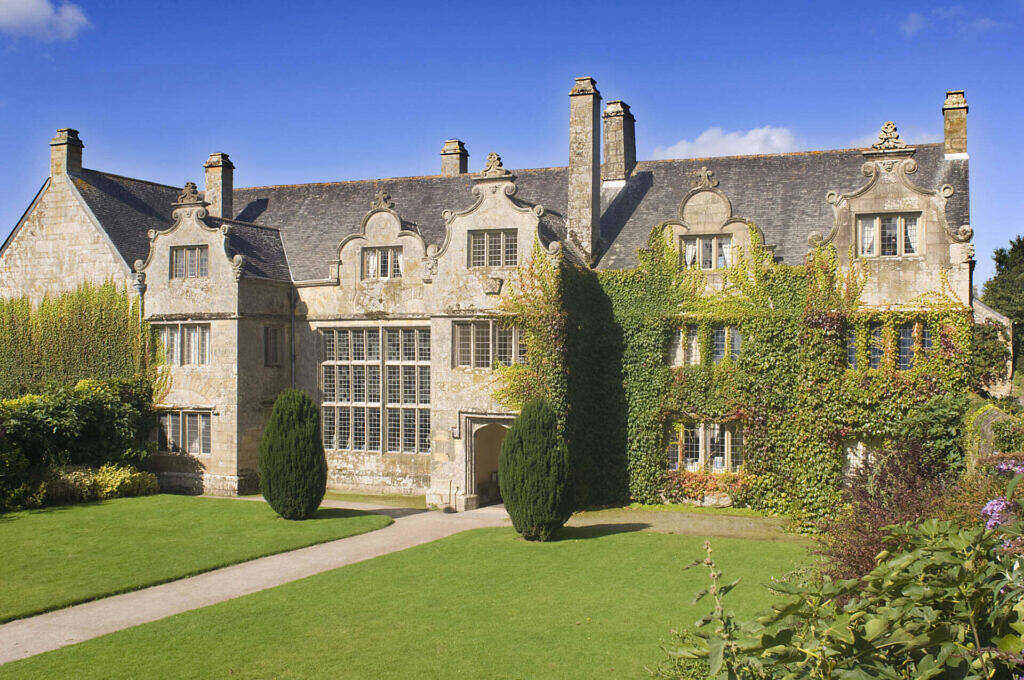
pixel 534 473
pixel 1004 292
pixel 293 467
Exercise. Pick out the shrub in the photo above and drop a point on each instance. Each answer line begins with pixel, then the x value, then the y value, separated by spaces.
pixel 70 484
pixel 534 473
pixel 937 426
pixel 1008 435
pixel 990 354
pixel 293 467
pixel 115 481
pixel 681 486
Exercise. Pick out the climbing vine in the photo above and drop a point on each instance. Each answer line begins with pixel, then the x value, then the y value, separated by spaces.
pixel 599 346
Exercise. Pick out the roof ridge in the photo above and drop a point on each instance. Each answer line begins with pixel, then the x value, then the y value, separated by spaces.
pixel 811 152
pixel 389 179
pixel 133 179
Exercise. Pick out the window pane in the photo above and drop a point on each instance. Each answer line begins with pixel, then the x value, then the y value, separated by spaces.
pixel 344 416
pixel 373 429
pixel 718 349
pixel 890 236
pixel 926 339
pixel 408 384
pixel 482 344
pixel 369 263
pixel 343 348
pixel 493 248
pixel 372 344
pixel 735 343
pixel 394 344
pixel 707 252
pixel 204 261
pixel 344 384
pixel 689 252
pixel 424 431
pixel 384 257
pixel 866 225
pixel 691 447
pixel 408 345
pixel 851 348
pixel 204 344
pixel 191 263
pixel 373 384
pixel 906 347
pixel 394 426
pixel 358 428
pixel 691 349
pixel 192 436
pixel 520 346
pixel 330 392
pixel 358 345
pixel 328 337
pixel 910 235
pixel 329 427
pixel 177 263
pixel 716 447
pixel 503 345
pixel 424 387
pixel 673 456
pixel 359 383
pixel 396 263
pixel 409 430
pixel 464 344
pixel 476 249
pixel 511 249
pixel 394 388
pixel 424 345
pixel 736 453
pixel 875 346
pixel 724 251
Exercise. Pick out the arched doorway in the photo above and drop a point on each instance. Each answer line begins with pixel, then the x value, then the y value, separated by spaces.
pixel 486 449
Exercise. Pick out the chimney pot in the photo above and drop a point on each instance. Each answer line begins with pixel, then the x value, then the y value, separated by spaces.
pixel 619 141
pixel 220 185
pixel 454 158
pixel 584 209
pixel 954 119
pixel 66 152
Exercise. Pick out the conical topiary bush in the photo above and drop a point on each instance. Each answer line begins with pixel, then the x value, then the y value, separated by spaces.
pixel 534 473
pixel 293 468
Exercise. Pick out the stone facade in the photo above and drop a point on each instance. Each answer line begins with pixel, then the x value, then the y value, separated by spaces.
pixel 379 298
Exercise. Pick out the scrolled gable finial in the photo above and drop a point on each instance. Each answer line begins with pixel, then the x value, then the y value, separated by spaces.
pixel 189 193
pixel 494 168
pixel 382 200
pixel 703 179
pixel 889 138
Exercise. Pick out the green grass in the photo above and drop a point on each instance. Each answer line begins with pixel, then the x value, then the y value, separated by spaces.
pixel 699 509
pixel 392 500
pixel 480 604
pixel 56 557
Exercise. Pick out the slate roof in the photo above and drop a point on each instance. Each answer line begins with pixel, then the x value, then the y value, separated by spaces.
pixel 783 194
pixel 314 218
pixel 293 231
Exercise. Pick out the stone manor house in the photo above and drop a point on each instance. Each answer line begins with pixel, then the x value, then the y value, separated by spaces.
pixel 378 297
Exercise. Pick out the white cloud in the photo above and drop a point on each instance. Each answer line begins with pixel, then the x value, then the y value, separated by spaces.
pixel 716 142
pixel 913 23
pixel 41 19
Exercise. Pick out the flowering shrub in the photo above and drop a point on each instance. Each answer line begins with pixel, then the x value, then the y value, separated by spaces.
pixel 70 484
pixel 681 486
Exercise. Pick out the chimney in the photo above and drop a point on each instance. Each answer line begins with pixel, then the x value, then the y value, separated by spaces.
pixel 954 118
pixel 65 152
pixel 454 158
pixel 619 141
pixel 585 166
pixel 220 185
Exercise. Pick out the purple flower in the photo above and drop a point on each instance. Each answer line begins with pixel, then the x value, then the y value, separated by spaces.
pixel 997 511
pixel 1010 467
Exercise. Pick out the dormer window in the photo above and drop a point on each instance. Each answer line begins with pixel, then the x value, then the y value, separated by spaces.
pixel 705 252
pixel 493 248
pixel 190 262
pixel 888 235
pixel 382 263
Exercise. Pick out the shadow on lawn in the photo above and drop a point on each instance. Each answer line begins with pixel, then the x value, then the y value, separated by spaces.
pixel 393 513
pixel 599 530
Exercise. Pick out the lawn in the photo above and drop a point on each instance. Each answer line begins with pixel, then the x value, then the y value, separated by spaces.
pixel 55 557
pixel 480 604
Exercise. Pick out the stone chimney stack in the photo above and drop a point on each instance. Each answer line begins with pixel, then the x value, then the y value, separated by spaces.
pixel 619 141
pixel 954 116
pixel 220 185
pixel 65 152
pixel 454 158
pixel 585 166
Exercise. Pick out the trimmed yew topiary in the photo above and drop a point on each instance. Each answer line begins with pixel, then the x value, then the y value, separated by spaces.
pixel 534 473
pixel 293 468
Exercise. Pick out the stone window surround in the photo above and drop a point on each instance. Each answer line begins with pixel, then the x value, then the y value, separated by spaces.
pixel 681 442
pixel 688 346
pixel 907 335
pixel 203 353
pixel 876 219
pixel 273 346
pixel 508 240
pixel 495 334
pixel 181 257
pixel 395 268
pixel 180 419
pixel 718 254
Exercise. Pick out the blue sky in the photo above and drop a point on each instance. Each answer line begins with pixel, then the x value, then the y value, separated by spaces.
pixel 331 91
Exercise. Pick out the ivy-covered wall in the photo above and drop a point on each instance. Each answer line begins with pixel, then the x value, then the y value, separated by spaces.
pixel 599 344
